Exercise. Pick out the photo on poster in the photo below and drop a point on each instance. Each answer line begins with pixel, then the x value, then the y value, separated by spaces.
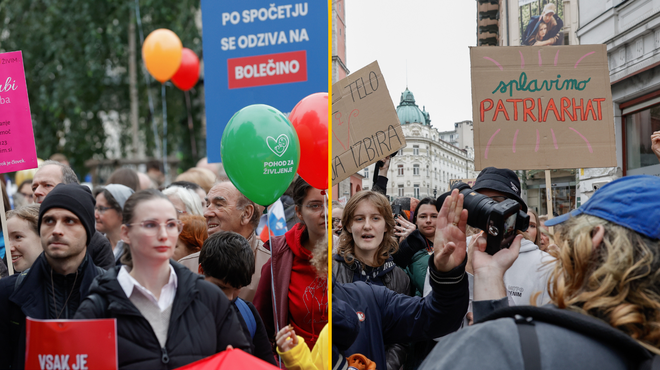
pixel 541 22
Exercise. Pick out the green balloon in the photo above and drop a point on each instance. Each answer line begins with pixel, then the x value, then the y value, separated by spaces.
pixel 260 152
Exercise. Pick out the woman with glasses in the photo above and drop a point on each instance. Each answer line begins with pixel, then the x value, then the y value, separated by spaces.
pixel 300 295
pixel 166 315
pixel 108 214
pixel 365 252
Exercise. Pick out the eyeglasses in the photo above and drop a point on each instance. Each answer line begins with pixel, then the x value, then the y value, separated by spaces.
pixel 315 207
pixel 336 220
pixel 101 209
pixel 151 228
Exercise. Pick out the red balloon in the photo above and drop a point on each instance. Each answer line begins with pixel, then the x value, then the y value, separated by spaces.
pixel 188 73
pixel 310 119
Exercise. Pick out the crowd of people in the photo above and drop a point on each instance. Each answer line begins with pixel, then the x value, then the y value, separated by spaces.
pixel 427 295
pixel 183 268
pixel 187 272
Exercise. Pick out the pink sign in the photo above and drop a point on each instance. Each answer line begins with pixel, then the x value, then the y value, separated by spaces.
pixel 17 149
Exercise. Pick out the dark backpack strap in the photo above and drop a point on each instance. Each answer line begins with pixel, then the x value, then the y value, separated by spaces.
pixel 248 317
pixel 529 342
pixel 577 322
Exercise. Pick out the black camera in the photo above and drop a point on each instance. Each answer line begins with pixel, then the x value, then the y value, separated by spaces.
pixel 499 221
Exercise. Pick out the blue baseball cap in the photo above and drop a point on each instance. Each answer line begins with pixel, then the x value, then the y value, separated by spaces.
pixel 631 201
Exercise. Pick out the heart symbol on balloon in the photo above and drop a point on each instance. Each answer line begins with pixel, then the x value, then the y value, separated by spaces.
pixel 279 145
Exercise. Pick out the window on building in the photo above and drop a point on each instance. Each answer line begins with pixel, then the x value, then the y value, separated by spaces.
pixel 415 149
pixel 427 171
pixel 415 169
pixel 639 127
pixel 400 190
pixel 399 170
pixel 416 191
pixel 366 172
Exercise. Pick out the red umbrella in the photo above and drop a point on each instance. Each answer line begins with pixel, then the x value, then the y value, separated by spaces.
pixel 230 359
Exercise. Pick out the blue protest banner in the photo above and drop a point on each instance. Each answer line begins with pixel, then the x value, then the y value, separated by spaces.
pixel 260 52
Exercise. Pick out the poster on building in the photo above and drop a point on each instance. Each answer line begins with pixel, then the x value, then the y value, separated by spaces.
pixel 541 22
pixel 258 52
pixel 365 126
pixel 542 107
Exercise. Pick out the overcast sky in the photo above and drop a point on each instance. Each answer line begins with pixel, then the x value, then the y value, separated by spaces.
pixel 432 36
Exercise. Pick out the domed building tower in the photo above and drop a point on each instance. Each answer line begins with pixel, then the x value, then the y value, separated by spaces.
pixel 426 165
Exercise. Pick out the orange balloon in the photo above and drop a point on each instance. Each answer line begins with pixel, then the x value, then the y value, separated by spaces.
pixel 161 52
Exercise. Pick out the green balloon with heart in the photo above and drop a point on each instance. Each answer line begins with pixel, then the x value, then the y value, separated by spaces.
pixel 260 152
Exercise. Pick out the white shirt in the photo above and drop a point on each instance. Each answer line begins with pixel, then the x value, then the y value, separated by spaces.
pixel 167 293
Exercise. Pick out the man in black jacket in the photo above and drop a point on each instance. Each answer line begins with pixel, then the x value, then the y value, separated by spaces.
pixel 46 179
pixel 59 279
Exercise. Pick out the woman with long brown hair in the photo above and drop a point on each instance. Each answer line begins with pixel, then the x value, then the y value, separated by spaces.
pixel 366 245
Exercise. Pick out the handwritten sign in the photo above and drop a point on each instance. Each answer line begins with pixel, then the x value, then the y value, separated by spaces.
pixel 365 126
pixel 17 149
pixel 470 182
pixel 71 344
pixel 542 107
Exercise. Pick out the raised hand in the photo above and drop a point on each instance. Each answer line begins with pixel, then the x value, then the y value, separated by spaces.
pixel 449 247
pixel 404 228
pixel 286 339
pixel 655 144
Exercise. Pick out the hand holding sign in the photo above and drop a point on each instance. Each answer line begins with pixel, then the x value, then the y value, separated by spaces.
pixel 260 152
pixel 310 119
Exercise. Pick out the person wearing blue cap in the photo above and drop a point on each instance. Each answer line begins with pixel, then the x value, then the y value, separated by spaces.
pixel 604 290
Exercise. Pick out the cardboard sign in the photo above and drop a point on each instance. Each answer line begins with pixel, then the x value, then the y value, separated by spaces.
pixel 365 126
pixel 258 52
pixel 71 344
pixel 17 149
pixel 542 107
pixel 470 182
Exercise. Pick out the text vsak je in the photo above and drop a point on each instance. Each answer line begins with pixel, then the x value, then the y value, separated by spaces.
pixel 61 362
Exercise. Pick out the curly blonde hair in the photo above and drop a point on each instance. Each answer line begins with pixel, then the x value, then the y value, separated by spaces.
pixel 618 282
pixel 387 247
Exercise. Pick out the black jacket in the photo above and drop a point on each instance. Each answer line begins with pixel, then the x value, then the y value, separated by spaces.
pixel 100 250
pixel 34 298
pixel 202 323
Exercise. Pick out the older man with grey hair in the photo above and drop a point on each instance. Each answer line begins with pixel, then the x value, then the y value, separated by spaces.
pixel 227 209
pixel 51 173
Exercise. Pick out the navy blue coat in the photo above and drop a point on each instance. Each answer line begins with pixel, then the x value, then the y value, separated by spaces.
pixel 387 317
pixel 34 299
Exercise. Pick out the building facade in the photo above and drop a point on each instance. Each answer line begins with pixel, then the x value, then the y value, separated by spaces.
pixel 426 165
pixel 631 31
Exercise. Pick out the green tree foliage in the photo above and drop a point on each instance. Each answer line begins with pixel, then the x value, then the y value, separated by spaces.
pixel 76 64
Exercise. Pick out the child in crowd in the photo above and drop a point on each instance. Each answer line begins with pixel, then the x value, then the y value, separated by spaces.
pixel 227 261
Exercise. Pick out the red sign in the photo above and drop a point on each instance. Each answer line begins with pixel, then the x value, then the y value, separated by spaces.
pixel 268 69
pixel 71 344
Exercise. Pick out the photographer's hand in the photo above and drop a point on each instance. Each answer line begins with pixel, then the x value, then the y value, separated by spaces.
pixel 489 270
pixel 449 249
